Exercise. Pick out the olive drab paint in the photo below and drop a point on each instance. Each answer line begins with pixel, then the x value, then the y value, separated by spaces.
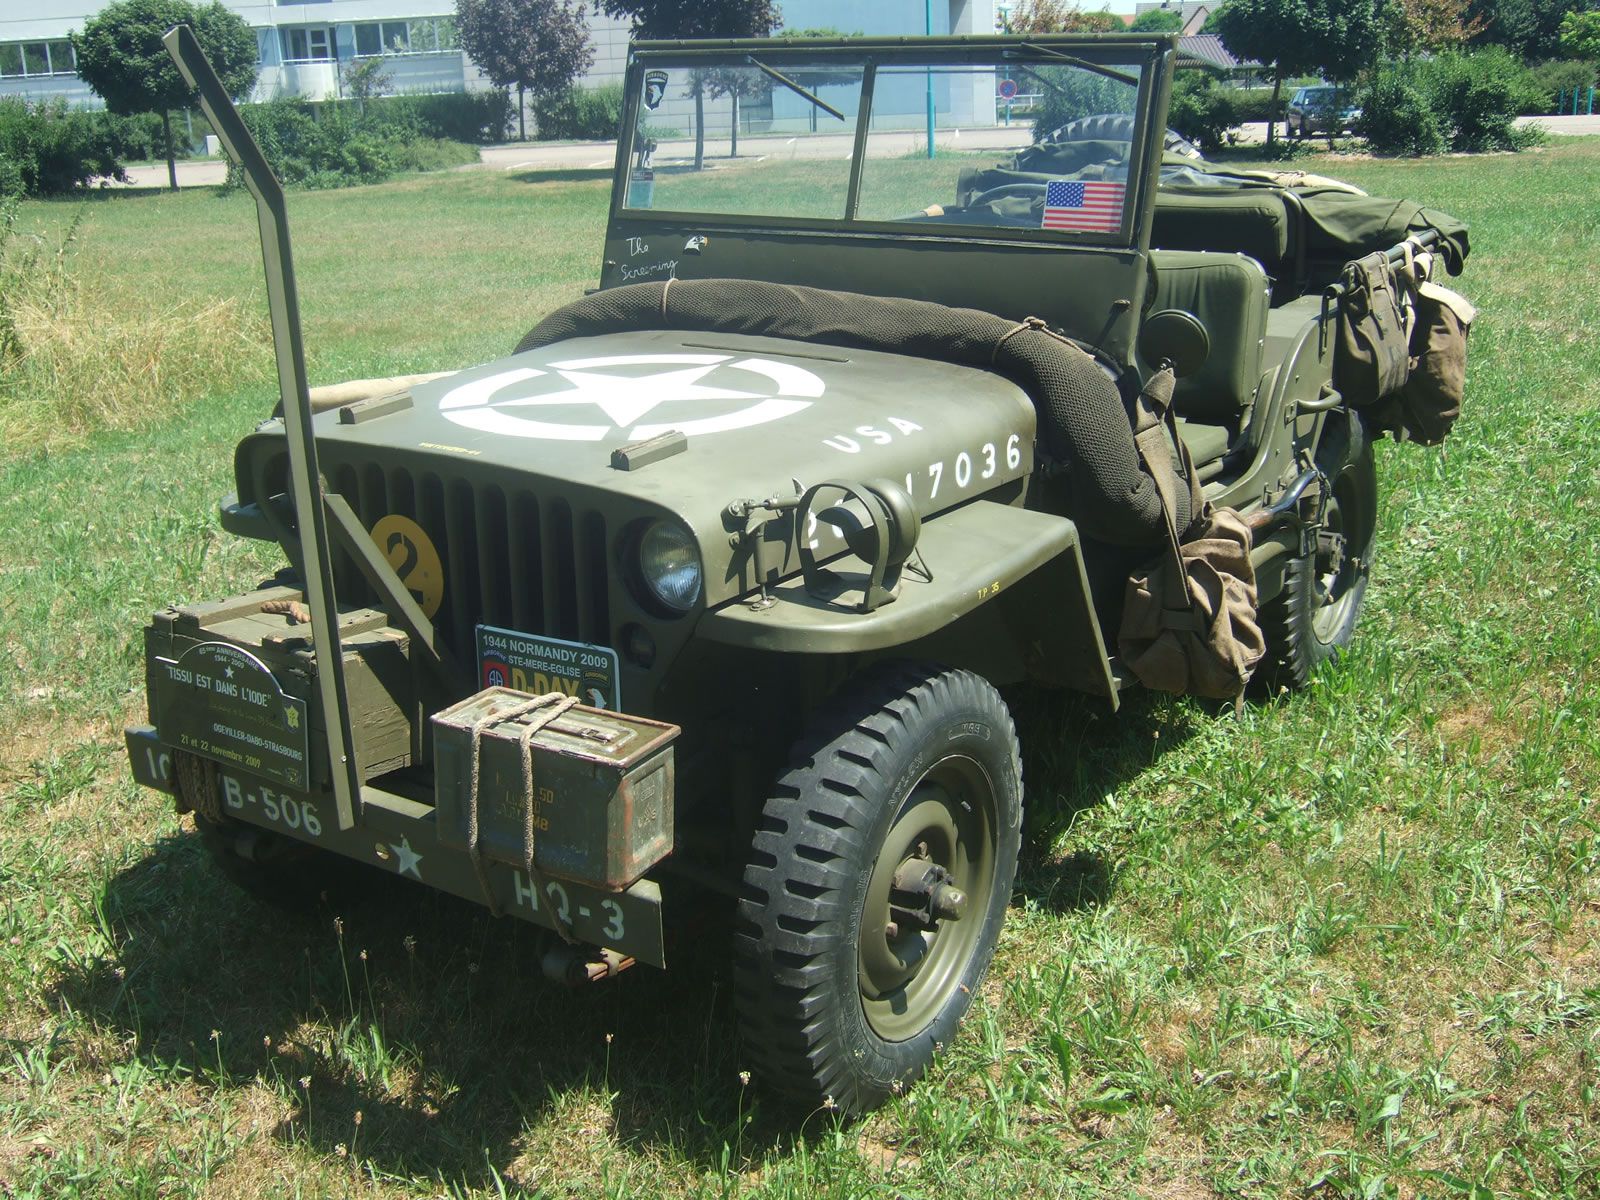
pixel 589 596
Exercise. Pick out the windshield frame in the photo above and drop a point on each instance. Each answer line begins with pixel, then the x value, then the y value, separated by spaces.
pixel 1152 55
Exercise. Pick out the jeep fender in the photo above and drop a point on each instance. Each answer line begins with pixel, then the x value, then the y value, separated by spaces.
pixel 977 555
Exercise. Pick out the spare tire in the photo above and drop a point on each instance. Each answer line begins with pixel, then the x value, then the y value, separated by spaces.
pixel 1116 127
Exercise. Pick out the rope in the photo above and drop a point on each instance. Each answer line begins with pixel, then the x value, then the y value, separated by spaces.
pixel 535 880
pixel 557 704
pixel 1021 326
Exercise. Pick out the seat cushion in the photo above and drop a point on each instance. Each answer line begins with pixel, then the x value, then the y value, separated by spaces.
pixel 1206 443
pixel 1251 221
pixel 1230 294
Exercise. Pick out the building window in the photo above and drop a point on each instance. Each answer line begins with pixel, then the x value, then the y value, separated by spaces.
pixel 312 44
pixel 37 58
pixel 424 35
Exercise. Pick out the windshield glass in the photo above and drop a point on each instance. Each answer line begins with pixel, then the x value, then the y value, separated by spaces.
pixel 772 142
pixel 773 135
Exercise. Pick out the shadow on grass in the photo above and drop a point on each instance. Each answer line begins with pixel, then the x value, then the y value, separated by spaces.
pixel 425 1016
pixel 433 1021
pixel 562 175
pixel 1075 753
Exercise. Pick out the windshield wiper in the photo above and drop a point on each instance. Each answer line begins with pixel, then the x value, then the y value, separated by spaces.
pixel 795 87
pixel 1035 48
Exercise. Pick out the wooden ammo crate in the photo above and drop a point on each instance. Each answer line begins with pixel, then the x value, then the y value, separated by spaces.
pixel 386 721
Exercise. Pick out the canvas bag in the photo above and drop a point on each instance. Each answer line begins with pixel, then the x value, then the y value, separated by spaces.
pixel 1371 351
pixel 1189 620
pixel 1426 408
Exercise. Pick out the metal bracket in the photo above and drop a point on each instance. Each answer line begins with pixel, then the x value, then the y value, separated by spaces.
pixel 756 515
pixel 881 580
pixel 305 479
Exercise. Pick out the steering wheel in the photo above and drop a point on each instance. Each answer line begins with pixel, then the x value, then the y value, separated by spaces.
pixel 1005 191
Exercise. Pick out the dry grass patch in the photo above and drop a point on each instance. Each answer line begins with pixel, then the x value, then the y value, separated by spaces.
pixel 83 349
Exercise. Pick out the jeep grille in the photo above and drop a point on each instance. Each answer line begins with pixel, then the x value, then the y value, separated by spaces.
pixel 511 557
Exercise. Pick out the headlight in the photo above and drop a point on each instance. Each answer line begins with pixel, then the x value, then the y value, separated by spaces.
pixel 669 560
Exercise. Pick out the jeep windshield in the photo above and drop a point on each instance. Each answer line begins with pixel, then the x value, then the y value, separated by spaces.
pixel 789 133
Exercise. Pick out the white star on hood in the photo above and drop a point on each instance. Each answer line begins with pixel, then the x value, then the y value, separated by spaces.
pixel 626 399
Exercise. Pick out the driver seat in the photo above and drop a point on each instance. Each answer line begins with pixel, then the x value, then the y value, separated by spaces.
pixel 1230 295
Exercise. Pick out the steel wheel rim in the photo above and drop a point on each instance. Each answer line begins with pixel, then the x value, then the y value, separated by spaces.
pixel 907 973
pixel 1335 583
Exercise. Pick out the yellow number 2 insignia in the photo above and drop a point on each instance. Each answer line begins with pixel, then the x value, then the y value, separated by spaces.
pixel 411 554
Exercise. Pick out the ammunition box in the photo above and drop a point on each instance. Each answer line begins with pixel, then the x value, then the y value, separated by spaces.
pixel 602 802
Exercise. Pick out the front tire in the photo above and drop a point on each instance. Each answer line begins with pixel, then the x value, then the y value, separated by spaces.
pixel 1314 617
pixel 274 869
pixel 877 885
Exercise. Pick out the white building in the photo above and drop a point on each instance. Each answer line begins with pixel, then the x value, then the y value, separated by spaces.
pixel 304 44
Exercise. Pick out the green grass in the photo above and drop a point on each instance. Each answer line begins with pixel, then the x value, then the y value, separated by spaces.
pixel 1345 945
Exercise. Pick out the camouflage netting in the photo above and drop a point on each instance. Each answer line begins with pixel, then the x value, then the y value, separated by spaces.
pixel 1084 421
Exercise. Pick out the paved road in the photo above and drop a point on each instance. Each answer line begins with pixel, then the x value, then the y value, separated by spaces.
pixel 599 156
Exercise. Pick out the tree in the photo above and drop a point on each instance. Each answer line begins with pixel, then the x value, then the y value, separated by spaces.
pixel 1157 20
pixel 1580 34
pixel 1333 38
pixel 365 79
pixel 1531 29
pixel 1413 26
pixel 122 58
pixel 697 19
pixel 1058 16
pixel 537 46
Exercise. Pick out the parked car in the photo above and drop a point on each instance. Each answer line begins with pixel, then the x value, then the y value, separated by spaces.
pixel 1320 110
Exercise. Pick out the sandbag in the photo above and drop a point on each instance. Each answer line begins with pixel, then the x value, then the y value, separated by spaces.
pixel 1371 351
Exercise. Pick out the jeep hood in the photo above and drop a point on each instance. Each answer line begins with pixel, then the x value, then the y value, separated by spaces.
pixel 759 415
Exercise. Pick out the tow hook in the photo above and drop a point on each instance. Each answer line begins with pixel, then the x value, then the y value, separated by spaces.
pixel 925 892
pixel 577 965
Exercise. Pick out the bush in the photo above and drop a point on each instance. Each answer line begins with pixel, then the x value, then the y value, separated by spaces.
pixel 1201 111
pixel 138 138
pixel 339 146
pixel 1251 104
pixel 1476 97
pixel 47 149
pixel 1553 81
pixel 1466 102
pixel 581 114
pixel 473 117
pixel 1396 118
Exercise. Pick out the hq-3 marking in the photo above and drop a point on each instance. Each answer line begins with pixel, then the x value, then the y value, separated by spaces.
pixel 527 896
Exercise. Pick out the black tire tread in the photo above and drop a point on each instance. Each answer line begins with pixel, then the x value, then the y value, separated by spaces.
pixel 1293 651
pixel 780 977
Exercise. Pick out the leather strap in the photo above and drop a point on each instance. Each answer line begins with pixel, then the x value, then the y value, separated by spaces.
pixel 1153 422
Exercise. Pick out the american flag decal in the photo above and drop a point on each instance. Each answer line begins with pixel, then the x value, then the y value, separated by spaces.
pixel 1095 206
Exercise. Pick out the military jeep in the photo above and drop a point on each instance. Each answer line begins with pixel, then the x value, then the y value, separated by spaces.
pixel 707 589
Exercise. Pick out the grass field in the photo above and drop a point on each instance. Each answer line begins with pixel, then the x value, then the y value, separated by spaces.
pixel 1347 944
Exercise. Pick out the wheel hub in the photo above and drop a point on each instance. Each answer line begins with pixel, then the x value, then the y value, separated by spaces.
pixel 925 892
pixel 917 934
